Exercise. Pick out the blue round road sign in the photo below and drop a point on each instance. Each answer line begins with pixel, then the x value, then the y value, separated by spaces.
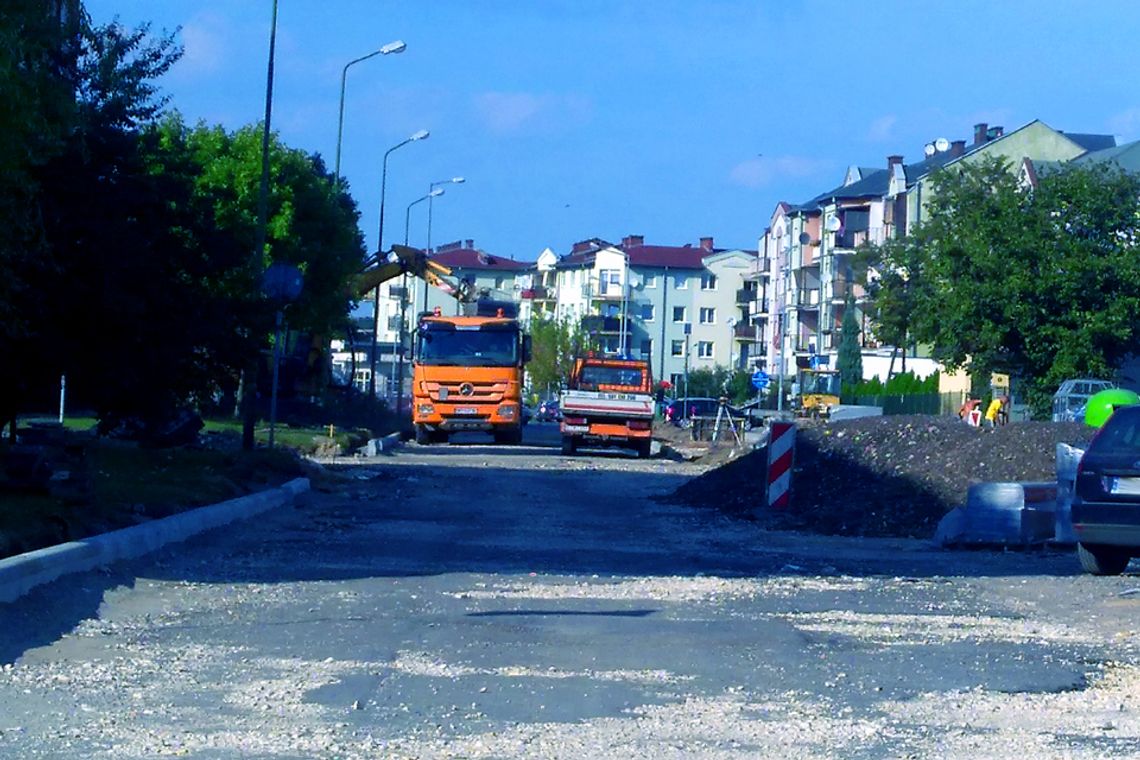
pixel 760 379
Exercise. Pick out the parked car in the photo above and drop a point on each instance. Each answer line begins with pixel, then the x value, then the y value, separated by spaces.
pixel 548 411
pixel 1106 496
pixel 680 410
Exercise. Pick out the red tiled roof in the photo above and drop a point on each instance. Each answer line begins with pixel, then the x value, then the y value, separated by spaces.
pixel 470 258
pixel 674 257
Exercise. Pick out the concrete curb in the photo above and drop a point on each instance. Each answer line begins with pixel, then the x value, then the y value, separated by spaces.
pixel 22 573
pixel 377 446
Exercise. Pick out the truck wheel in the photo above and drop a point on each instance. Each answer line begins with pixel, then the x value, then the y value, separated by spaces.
pixel 440 436
pixel 423 435
pixel 1102 560
pixel 644 449
pixel 569 445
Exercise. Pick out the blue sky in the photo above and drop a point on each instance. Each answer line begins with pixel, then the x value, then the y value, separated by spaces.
pixel 669 119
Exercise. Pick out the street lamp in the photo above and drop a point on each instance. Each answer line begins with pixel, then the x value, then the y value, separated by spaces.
pixel 397 46
pixel 432 186
pixel 622 352
pixel 423 134
pixel 249 380
pixel 404 302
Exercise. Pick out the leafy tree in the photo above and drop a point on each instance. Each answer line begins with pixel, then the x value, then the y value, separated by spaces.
pixel 37 112
pixel 555 344
pixel 1042 285
pixel 850 360
pixel 736 385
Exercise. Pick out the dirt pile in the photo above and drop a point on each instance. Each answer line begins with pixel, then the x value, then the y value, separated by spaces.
pixel 885 476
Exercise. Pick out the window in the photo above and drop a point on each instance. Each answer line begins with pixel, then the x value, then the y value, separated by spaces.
pixel 650 280
pixel 647 312
pixel 708 315
pixel 678 380
pixel 708 281
pixel 677 348
pixel 680 282
pixel 499 283
pixel 705 349
pixel 646 348
pixel 609 282
pixel 678 313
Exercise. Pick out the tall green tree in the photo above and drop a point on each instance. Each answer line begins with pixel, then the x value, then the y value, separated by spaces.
pixel 555 344
pixel 850 359
pixel 1042 285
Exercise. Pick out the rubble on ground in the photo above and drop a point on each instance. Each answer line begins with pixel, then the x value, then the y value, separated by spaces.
pixel 885 476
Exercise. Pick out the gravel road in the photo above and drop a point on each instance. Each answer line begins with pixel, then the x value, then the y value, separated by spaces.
pixel 474 601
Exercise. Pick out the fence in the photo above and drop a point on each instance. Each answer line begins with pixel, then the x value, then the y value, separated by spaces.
pixel 915 403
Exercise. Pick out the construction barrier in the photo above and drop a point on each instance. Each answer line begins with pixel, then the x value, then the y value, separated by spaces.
pixel 781 451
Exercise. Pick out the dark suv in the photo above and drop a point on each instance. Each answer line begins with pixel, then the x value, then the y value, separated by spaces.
pixel 1106 497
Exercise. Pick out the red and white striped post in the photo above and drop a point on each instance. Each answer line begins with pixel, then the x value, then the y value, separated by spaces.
pixel 781 451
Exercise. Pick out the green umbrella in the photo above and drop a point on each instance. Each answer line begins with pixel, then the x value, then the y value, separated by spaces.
pixel 1101 405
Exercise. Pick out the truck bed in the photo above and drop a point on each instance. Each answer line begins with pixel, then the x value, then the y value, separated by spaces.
pixel 606 404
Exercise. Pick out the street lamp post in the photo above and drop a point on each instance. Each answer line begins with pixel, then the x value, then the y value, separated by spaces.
pixel 249 380
pixel 421 135
pixel 624 304
pixel 404 303
pixel 397 46
pixel 433 186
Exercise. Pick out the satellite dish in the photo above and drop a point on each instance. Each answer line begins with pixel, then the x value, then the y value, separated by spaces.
pixel 942 145
pixel 804 238
pixel 928 150
pixel 833 223
pixel 731 321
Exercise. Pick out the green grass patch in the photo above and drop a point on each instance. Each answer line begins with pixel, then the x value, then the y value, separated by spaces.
pixel 104 484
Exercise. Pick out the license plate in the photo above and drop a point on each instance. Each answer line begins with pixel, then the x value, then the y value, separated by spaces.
pixel 466 410
pixel 575 428
pixel 1125 486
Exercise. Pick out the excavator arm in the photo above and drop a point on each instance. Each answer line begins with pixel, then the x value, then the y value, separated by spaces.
pixel 405 260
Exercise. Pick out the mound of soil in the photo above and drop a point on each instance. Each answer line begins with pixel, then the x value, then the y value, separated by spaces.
pixel 885 476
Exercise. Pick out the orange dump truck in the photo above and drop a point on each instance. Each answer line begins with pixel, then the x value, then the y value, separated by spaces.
pixel 468 374
pixel 608 402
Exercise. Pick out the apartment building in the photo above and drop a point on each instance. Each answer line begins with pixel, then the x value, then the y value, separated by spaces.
pixel 808 247
pixel 681 307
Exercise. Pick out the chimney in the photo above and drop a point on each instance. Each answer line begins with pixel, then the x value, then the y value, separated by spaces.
pixel 470 244
pixel 631 241
pixel 980 133
pixel 892 161
pixel 994 133
pixel 581 245
pixel 707 243
pixel 957 148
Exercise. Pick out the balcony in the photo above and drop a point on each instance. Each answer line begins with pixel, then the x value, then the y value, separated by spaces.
pixel 745 295
pixel 807 298
pixel 759 269
pixel 538 293
pixel 840 289
pixel 749 332
pixel 595 324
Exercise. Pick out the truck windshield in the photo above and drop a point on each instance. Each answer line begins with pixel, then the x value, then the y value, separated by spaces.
pixel 446 346
pixel 592 377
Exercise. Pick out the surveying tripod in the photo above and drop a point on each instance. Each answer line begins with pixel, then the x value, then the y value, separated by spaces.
pixel 724 415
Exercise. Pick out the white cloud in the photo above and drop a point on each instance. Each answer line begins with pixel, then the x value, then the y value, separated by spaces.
pixel 204 39
pixel 760 171
pixel 882 128
pixel 1126 124
pixel 510 112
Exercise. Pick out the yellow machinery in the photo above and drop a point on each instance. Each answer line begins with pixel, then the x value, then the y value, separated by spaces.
pixel 405 260
pixel 818 393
